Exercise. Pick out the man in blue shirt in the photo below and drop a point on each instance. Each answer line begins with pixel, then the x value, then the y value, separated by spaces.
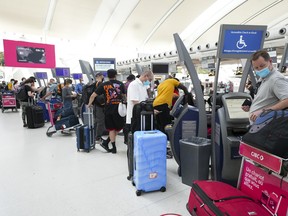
pixel 79 86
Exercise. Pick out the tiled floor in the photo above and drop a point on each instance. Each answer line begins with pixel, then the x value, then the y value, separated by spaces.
pixel 42 176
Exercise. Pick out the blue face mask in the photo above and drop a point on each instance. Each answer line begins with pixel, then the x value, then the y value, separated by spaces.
pixel 146 83
pixel 263 73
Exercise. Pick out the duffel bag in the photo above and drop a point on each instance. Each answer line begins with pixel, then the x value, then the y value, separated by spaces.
pixel 270 132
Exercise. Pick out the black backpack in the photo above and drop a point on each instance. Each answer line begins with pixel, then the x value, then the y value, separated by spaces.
pixel 270 133
pixel 87 92
pixel 21 93
pixel 144 107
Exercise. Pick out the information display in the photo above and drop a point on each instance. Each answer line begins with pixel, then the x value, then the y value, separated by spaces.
pixel 41 75
pixel 104 64
pixel 160 68
pixel 62 72
pixel 77 76
pixel 240 41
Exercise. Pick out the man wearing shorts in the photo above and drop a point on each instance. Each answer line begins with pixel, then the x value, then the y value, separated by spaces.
pixel 114 91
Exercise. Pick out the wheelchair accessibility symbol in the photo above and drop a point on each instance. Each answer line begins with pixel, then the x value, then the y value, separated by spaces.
pixel 241 43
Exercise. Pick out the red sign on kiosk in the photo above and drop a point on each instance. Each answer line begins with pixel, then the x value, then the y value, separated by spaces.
pixel 269 189
pixel 270 161
pixel 264 187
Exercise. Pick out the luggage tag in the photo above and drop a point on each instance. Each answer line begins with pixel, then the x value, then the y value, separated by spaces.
pixel 153 175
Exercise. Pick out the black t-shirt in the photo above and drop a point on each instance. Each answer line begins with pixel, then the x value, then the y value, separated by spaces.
pixel 27 89
pixel 113 91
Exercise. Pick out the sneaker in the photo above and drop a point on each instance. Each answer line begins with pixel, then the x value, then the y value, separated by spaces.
pixel 113 150
pixel 169 154
pixel 25 125
pixel 104 145
pixel 99 140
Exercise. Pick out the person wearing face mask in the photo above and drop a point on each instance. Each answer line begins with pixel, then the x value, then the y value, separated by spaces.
pixel 273 92
pixel 136 92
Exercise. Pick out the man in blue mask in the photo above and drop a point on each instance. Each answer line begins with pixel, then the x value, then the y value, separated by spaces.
pixel 273 91
pixel 136 92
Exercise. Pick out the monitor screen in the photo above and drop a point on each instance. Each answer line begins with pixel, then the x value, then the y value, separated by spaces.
pixel 234 109
pixel 160 68
pixel 77 76
pixel 62 72
pixel 104 64
pixel 41 75
pixel 240 41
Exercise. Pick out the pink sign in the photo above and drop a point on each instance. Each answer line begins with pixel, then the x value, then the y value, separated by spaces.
pixel 30 55
pixel 270 161
pixel 268 189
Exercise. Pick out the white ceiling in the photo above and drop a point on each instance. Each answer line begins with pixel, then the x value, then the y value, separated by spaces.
pixel 141 26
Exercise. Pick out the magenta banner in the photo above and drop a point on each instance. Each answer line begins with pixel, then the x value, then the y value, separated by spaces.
pixel 268 160
pixel 30 55
pixel 268 189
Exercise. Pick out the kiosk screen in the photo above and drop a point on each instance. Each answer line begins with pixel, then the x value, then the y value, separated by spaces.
pixel 41 75
pixel 234 109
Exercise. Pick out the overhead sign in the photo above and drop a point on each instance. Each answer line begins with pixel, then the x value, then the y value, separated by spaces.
pixel 104 64
pixel 240 41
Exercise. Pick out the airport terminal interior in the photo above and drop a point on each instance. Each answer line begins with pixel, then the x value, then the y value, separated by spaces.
pixel 207 47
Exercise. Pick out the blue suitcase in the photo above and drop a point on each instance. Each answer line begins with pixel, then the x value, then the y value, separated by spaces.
pixel 45 111
pixel 85 136
pixel 149 161
pixel 85 139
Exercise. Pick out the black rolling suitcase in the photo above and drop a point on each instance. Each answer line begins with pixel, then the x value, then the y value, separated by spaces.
pixel 146 120
pixel 35 115
pixel 85 136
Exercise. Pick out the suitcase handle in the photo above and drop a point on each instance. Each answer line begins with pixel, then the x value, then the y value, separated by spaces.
pixel 150 132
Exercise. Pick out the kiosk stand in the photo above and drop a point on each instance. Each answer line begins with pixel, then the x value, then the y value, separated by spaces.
pixel 189 120
pixel 231 125
pixel 236 42
pixel 87 69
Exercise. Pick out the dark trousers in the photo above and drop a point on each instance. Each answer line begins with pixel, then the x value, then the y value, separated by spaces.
pixel 163 118
pixel 126 130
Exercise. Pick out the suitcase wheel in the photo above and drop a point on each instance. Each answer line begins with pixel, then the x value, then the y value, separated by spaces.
pixel 133 183
pixel 179 171
pixel 163 189
pixel 129 177
pixel 138 192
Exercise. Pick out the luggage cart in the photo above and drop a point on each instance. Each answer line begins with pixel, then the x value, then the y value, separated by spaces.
pixel 65 125
pixel 9 101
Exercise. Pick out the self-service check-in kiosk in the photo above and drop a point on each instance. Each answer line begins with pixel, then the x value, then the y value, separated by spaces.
pixel 185 126
pixel 231 123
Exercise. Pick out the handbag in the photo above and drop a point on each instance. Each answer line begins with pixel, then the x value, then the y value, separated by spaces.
pixel 122 110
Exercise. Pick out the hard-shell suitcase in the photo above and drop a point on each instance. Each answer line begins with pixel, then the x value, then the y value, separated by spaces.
pixel 85 134
pixel 144 116
pixel 220 199
pixel 149 161
pixel 84 139
pixel 35 115
pixel 130 149
pixel 66 122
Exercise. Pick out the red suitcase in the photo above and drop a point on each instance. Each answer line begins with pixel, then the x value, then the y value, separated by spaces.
pixel 220 199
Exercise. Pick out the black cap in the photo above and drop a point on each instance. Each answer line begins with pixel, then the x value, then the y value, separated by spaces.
pixel 98 74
